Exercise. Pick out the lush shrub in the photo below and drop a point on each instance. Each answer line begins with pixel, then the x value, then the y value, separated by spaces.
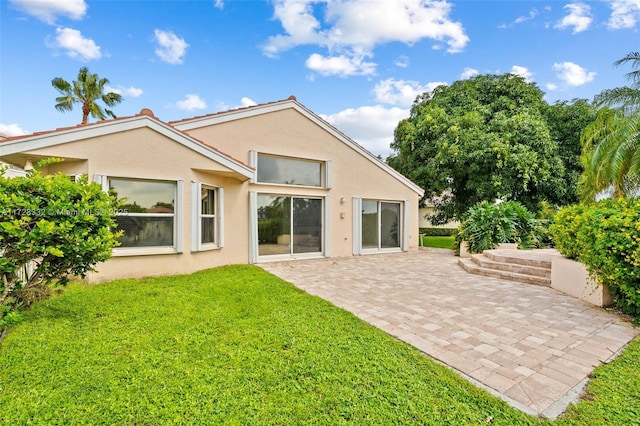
pixel 565 229
pixel 605 237
pixel 487 225
pixel 438 232
pixel 50 228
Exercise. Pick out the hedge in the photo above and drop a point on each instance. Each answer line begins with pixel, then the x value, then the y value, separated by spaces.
pixel 605 237
pixel 438 232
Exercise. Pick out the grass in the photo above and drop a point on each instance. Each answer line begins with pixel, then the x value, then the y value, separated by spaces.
pixel 236 345
pixel 438 242
pixel 233 345
pixel 613 393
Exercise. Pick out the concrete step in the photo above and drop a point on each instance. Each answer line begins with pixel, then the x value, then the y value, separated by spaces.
pixel 542 260
pixel 487 262
pixel 470 266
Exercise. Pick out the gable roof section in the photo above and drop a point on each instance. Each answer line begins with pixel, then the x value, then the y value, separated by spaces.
pixel 291 103
pixel 145 119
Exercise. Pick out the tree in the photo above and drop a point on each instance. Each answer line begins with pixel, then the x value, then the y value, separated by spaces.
pixel 611 143
pixel 87 90
pixel 566 121
pixel 50 228
pixel 479 140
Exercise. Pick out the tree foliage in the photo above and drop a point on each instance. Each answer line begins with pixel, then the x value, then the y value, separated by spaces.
pixel 86 91
pixel 50 228
pixel 479 140
pixel 611 143
pixel 567 120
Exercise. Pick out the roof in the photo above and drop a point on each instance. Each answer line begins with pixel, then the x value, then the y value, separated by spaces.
pixel 145 118
pixel 291 103
pixel 178 131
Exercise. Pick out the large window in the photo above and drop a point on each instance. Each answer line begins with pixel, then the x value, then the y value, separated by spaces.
pixel 289 171
pixel 289 225
pixel 380 224
pixel 147 212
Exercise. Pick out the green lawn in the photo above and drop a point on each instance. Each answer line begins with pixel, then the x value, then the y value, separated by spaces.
pixel 236 345
pixel 438 242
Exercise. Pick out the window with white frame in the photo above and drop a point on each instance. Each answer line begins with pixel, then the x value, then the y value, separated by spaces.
pixel 206 217
pixel 147 211
pixel 281 170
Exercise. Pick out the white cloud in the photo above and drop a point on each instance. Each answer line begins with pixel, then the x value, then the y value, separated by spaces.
pixel 171 48
pixel 131 92
pixel 468 73
pixel 370 126
pixel 552 86
pixel 244 102
pixel 191 102
pixel 522 72
pixel 342 65
pixel 350 29
pixel 74 44
pixel 579 18
pixel 532 14
pixel 573 74
pixel 401 92
pixel 12 130
pixel 520 19
pixel 219 4
pixel 247 102
pixel 402 61
pixel 48 10
pixel 624 14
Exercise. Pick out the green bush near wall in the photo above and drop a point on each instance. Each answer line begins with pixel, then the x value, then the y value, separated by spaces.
pixel 605 237
pixel 487 225
pixel 437 232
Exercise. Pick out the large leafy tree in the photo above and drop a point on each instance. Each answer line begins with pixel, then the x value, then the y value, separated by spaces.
pixel 611 143
pixel 479 140
pixel 86 91
pixel 567 120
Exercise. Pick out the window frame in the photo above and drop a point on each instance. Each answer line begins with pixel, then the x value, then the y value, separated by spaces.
pixel 358 248
pixel 176 247
pixel 325 170
pixel 197 216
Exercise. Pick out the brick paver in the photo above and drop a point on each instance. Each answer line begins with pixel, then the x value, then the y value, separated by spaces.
pixel 532 346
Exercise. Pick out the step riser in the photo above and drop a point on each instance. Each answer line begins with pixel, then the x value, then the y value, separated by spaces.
pixel 511 267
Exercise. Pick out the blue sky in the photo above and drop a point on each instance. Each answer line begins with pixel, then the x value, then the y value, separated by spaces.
pixel 357 63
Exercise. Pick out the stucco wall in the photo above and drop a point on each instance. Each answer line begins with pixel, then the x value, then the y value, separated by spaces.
pixel 289 133
pixel 424 222
pixel 144 153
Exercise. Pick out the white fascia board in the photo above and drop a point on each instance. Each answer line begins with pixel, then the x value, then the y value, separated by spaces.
pixel 264 109
pixel 102 129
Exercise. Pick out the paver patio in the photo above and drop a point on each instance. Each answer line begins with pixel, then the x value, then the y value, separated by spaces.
pixel 532 346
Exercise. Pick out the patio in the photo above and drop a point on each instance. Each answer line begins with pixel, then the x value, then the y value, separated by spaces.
pixel 532 346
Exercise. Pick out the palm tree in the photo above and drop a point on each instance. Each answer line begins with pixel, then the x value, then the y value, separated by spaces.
pixel 87 90
pixel 634 58
pixel 611 144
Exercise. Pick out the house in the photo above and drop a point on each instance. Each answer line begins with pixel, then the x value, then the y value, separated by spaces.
pixel 256 184
pixel 9 170
pixel 428 209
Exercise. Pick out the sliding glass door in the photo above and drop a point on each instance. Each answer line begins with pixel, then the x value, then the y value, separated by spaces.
pixel 380 224
pixel 289 225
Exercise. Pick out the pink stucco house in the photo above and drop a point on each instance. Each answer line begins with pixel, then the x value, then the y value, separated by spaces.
pixel 257 184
